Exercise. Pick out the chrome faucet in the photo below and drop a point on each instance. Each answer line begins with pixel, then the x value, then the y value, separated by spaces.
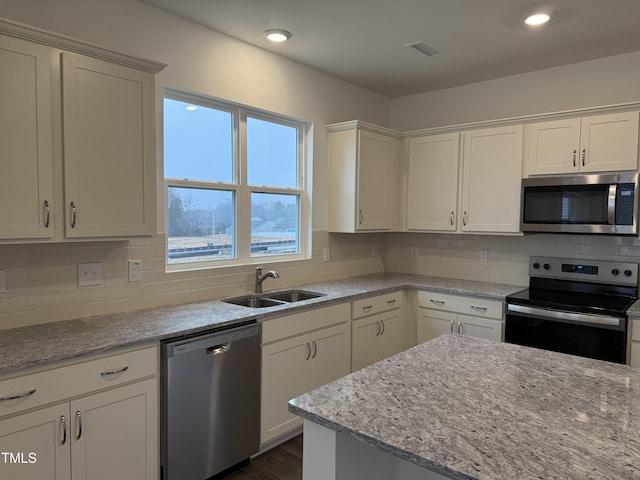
pixel 261 278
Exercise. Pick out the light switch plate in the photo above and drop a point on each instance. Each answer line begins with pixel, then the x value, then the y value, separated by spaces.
pixel 3 281
pixel 135 270
pixel 484 255
pixel 89 274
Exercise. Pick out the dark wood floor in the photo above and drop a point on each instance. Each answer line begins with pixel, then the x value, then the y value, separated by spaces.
pixel 283 462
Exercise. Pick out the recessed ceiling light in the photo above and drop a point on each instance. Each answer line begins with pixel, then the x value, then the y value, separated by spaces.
pixel 277 35
pixel 535 19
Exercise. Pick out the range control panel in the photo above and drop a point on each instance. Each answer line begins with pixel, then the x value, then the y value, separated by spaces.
pixel 594 271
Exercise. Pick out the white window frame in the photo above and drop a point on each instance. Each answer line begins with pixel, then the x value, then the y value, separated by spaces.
pixel 242 191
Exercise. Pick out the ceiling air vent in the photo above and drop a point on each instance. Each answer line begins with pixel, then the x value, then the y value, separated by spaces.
pixel 424 49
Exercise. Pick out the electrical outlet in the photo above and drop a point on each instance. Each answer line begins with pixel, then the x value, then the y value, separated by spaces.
pixel 135 270
pixel 3 282
pixel 414 251
pixel 89 274
pixel 325 254
pixel 484 255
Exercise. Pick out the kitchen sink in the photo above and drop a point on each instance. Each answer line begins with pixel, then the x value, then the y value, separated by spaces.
pixel 293 295
pixel 272 299
pixel 253 301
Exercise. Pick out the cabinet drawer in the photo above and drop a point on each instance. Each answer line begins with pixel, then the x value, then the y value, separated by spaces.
pixel 479 307
pixel 298 323
pixel 57 384
pixel 377 304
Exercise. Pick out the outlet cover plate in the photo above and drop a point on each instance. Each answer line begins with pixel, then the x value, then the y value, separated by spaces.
pixel 89 274
pixel 135 270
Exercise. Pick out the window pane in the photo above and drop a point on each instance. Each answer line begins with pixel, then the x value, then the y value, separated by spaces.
pixel 198 142
pixel 274 224
pixel 272 154
pixel 201 225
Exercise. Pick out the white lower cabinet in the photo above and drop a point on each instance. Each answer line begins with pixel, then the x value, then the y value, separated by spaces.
pixel 441 313
pixel 634 345
pixel 109 434
pixel 377 330
pixel 300 352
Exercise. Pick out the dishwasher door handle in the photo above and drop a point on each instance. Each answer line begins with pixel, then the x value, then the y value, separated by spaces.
pixel 217 349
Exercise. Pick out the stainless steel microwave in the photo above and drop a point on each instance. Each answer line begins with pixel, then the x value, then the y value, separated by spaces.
pixel 601 204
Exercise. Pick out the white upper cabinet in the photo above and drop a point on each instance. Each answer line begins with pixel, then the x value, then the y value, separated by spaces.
pixel 362 172
pixel 432 190
pixel 109 160
pixel 597 143
pixel 78 140
pixel 26 175
pixel 491 177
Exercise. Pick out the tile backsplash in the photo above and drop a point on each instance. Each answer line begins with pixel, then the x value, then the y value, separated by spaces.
pixel 42 279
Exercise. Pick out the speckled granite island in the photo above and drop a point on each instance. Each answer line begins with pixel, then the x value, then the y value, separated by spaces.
pixel 466 408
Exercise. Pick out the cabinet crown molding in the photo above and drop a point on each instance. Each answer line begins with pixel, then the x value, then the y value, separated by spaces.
pixel 27 32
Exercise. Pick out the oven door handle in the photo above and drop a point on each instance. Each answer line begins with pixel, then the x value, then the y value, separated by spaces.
pixel 560 316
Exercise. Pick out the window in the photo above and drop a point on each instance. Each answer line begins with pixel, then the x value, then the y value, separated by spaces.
pixel 234 180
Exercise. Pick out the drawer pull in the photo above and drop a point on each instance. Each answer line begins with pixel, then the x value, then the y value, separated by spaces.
pixel 78 424
pixel 366 308
pixel 315 349
pixel 308 351
pixel 452 324
pixel 437 302
pixel 479 309
pixel 116 371
pixel 18 395
pixel 382 325
pixel 63 423
pixel 459 327
pixel 391 302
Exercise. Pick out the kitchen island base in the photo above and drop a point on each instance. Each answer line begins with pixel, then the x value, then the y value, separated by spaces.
pixel 331 455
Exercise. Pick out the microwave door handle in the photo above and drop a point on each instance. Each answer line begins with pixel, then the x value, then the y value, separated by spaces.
pixel 611 206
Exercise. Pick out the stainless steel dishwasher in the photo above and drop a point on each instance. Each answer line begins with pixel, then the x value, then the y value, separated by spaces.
pixel 210 402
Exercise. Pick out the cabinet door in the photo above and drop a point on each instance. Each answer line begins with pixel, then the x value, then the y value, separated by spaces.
pixel 285 375
pixel 432 324
pixel 481 327
pixel 115 434
pixel 609 142
pixel 492 170
pixel 553 147
pixel 330 356
pixel 375 159
pixel 433 182
pixel 109 164
pixel 364 342
pixel 392 334
pixel 26 179
pixel 39 443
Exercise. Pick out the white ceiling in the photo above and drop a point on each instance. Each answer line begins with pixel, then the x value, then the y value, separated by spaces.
pixel 363 41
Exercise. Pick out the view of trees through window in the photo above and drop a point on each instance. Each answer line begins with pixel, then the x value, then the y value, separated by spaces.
pixel 203 194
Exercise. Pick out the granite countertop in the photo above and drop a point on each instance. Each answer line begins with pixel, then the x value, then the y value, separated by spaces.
pixel 469 408
pixel 38 345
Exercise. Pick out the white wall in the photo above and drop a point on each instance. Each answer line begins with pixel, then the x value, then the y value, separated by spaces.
pixel 42 279
pixel 607 81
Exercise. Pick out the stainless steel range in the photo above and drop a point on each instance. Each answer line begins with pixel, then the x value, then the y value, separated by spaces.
pixel 574 306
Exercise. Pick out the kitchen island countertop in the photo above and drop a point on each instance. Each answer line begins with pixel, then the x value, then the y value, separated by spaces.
pixel 39 345
pixel 468 408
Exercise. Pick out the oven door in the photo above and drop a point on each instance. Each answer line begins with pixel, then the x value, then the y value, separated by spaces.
pixel 586 335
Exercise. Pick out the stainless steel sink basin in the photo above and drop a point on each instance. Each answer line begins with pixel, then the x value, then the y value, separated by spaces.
pixel 294 295
pixel 272 299
pixel 253 301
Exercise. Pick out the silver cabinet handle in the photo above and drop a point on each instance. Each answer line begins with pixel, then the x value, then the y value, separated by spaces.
pixel 378 328
pixel 382 324
pixel 78 424
pixel 575 153
pixel 47 214
pixel 459 327
pixel 315 349
pixel 437 302
pixel 452 218
pixel 360 217
pixel 391 302
pixel 63 424
pixel 479 309
pixel 17 396
pixel 308 351
pixel 367 308
pixel 452 324
pixel 116 371
pixel 464 218
pixel 74 215
pixel 584 157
